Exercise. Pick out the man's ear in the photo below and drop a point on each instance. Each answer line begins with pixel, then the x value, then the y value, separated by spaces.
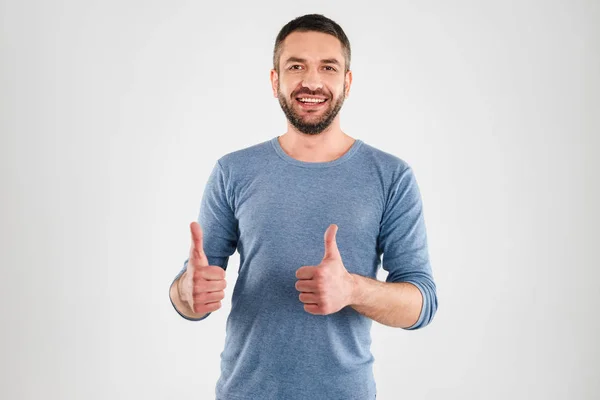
pixel 348 79
pixel 274 79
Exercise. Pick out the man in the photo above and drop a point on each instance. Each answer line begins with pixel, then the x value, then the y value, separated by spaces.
pixel 310 212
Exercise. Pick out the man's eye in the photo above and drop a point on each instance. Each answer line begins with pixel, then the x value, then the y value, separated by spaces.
pixel 296 65
pixel 332 69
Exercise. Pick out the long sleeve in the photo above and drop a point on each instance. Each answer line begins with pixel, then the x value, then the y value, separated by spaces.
pixel 218 222
pixel 403 241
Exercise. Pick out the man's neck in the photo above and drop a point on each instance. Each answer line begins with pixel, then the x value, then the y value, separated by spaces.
pixel 327 146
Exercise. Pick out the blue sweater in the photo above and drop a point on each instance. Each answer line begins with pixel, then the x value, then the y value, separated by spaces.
pixel 274 210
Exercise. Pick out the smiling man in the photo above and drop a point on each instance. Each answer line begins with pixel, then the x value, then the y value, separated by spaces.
pixel 315 78
pixel 313 213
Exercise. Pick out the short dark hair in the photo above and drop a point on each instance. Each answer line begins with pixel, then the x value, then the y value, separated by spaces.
pixel 316 23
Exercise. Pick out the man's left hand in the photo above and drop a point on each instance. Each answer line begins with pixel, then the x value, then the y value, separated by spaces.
pixel 327 287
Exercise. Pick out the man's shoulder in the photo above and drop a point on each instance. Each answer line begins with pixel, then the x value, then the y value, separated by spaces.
pixel 387 159
pixel 245 155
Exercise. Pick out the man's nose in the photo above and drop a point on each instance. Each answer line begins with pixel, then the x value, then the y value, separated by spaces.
pixel 312 80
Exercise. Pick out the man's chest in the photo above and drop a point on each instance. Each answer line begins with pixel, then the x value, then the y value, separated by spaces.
pixel 291 214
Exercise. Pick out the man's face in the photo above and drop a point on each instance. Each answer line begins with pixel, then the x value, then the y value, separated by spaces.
pixel 311 85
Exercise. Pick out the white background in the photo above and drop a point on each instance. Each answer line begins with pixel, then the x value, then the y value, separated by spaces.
pixel 112 114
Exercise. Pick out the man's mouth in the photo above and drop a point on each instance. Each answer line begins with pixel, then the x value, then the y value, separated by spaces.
pixel 311 102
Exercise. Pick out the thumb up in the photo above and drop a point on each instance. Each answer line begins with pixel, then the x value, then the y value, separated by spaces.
pixel 201 286
pixel 328 287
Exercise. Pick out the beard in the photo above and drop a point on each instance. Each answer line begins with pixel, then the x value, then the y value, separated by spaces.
pixel 301 123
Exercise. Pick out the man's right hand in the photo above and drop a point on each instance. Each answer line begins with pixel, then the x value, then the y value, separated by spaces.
pixel 201 286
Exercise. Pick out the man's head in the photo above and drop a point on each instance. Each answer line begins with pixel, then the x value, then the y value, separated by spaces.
pixel 311 63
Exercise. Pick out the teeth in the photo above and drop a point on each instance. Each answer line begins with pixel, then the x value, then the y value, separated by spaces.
pixel 308 100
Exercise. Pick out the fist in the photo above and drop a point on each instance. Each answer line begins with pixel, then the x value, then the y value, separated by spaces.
pixel 202 286
pixel 328 287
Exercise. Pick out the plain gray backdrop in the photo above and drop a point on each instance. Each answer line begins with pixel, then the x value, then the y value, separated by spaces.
pixel 112 114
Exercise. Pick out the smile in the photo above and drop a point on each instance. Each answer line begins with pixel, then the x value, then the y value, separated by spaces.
pixel 307 102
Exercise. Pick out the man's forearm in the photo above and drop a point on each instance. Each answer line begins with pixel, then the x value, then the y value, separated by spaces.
pixel 182 307
pixel 396 304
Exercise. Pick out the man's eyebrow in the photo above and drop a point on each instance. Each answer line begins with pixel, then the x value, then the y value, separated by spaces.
pixel 331 61
pixel 324 61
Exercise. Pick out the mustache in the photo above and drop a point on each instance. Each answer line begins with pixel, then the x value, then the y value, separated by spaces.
pixel 310 93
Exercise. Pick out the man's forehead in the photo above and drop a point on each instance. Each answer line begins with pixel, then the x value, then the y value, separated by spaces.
pixel 311 46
